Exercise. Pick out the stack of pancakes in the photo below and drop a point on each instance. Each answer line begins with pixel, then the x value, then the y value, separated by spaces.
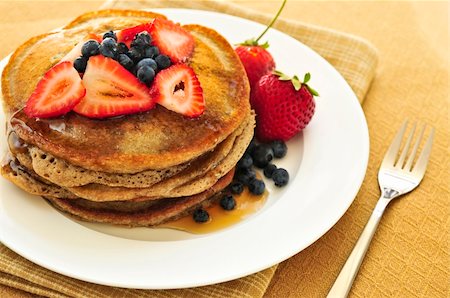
pixel 138 170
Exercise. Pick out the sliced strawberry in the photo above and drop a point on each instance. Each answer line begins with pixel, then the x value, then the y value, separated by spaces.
pixel 178 89
pixel 126 35
pixel 172 40
pixel 56 93
pixel 111 90
pixel 76 51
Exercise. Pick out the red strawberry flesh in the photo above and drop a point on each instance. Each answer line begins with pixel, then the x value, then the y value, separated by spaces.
pixel 111 90
pixel 127 35
pixel 56 93
pixel 281 111
pixel 178 89
pixel 257 62
pixel 172 40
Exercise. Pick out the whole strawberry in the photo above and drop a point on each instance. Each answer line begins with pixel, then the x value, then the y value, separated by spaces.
pixel 283 106
pixel 256 59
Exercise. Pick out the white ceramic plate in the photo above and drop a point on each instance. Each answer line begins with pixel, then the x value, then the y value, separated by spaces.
pixel 327 163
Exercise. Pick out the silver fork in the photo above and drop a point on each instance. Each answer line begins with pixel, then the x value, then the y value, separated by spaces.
pixel 395 178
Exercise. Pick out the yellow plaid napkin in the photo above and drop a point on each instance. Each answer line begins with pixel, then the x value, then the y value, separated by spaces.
pixel 353 57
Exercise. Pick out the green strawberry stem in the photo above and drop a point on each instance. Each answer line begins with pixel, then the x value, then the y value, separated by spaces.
pixel 296 81
pixel 272 22
pixel 254 42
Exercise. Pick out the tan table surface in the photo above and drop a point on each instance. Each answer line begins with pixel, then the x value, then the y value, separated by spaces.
pixel 405 33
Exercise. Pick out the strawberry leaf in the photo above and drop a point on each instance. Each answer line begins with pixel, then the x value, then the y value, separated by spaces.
pixel 306 78
pixel 312 91
pixel 296 83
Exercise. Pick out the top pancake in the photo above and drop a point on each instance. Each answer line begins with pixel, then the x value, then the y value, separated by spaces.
pixel 152 140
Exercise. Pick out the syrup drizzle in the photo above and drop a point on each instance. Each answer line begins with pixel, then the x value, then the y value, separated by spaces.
pixel 246 205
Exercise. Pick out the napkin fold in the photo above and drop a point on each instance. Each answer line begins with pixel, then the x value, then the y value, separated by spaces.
pixel 353 57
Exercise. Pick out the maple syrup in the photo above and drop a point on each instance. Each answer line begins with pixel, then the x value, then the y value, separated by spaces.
pixel 246 205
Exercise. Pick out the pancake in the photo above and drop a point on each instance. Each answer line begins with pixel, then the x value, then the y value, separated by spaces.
pixel 96 192
pixel 141 214
pixel 186 183
pixel 156 139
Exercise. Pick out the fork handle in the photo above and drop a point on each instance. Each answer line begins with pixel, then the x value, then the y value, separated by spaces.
pixel 344 281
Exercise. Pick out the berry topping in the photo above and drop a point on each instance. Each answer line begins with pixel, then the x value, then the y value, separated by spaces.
pixel 125 61
pixel 283 106
pixel 149 62
pixel 269 169
pixel 262 155
pixel 172 40
pixel 162 61
pixel 151 52
pixel 245 175
pixel 127 35
pixel 110 34
pixel 76 51
pixel 146 74
pixel 56 93
pixel 90 48
pixel 80 64
pixel 111 90
pixel 141 40
pixel 246 161
pixel 135 54
pixel 256 187
pixel 200 215
pixel 236 187
pixel 178 89
pixel 280 177
pixel 108 48
pixel 279 148
pixel 122 48
pixel 227 202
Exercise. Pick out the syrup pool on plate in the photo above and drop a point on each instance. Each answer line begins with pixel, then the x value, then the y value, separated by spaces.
pixel 246 205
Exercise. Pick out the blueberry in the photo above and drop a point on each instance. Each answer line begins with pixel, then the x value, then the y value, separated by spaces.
pixel 141 40
pixel 151 52
pixel 146 74
pixel 110 34
pixel 135 54
pixel 244 175
pixel 122 48
pixel 163 61
pixel 256 186
pixel 280 177
pixel 279 149
pixel 251 146
pixel 90 48
pixel 201 215
pixel 80 64
pixel 126 61
pixel 109 43
pixel 236 187
pixel 262 155
pixel 107 52
pixel 246 161
pixel 269 169
pixel 228 202
pixel 149 62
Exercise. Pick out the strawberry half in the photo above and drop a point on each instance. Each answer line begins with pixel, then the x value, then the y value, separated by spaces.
pixel 178 89
pixel 172 40
pixel 111 90
pixel 127 35
pixel 76 51
pixel 56 93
